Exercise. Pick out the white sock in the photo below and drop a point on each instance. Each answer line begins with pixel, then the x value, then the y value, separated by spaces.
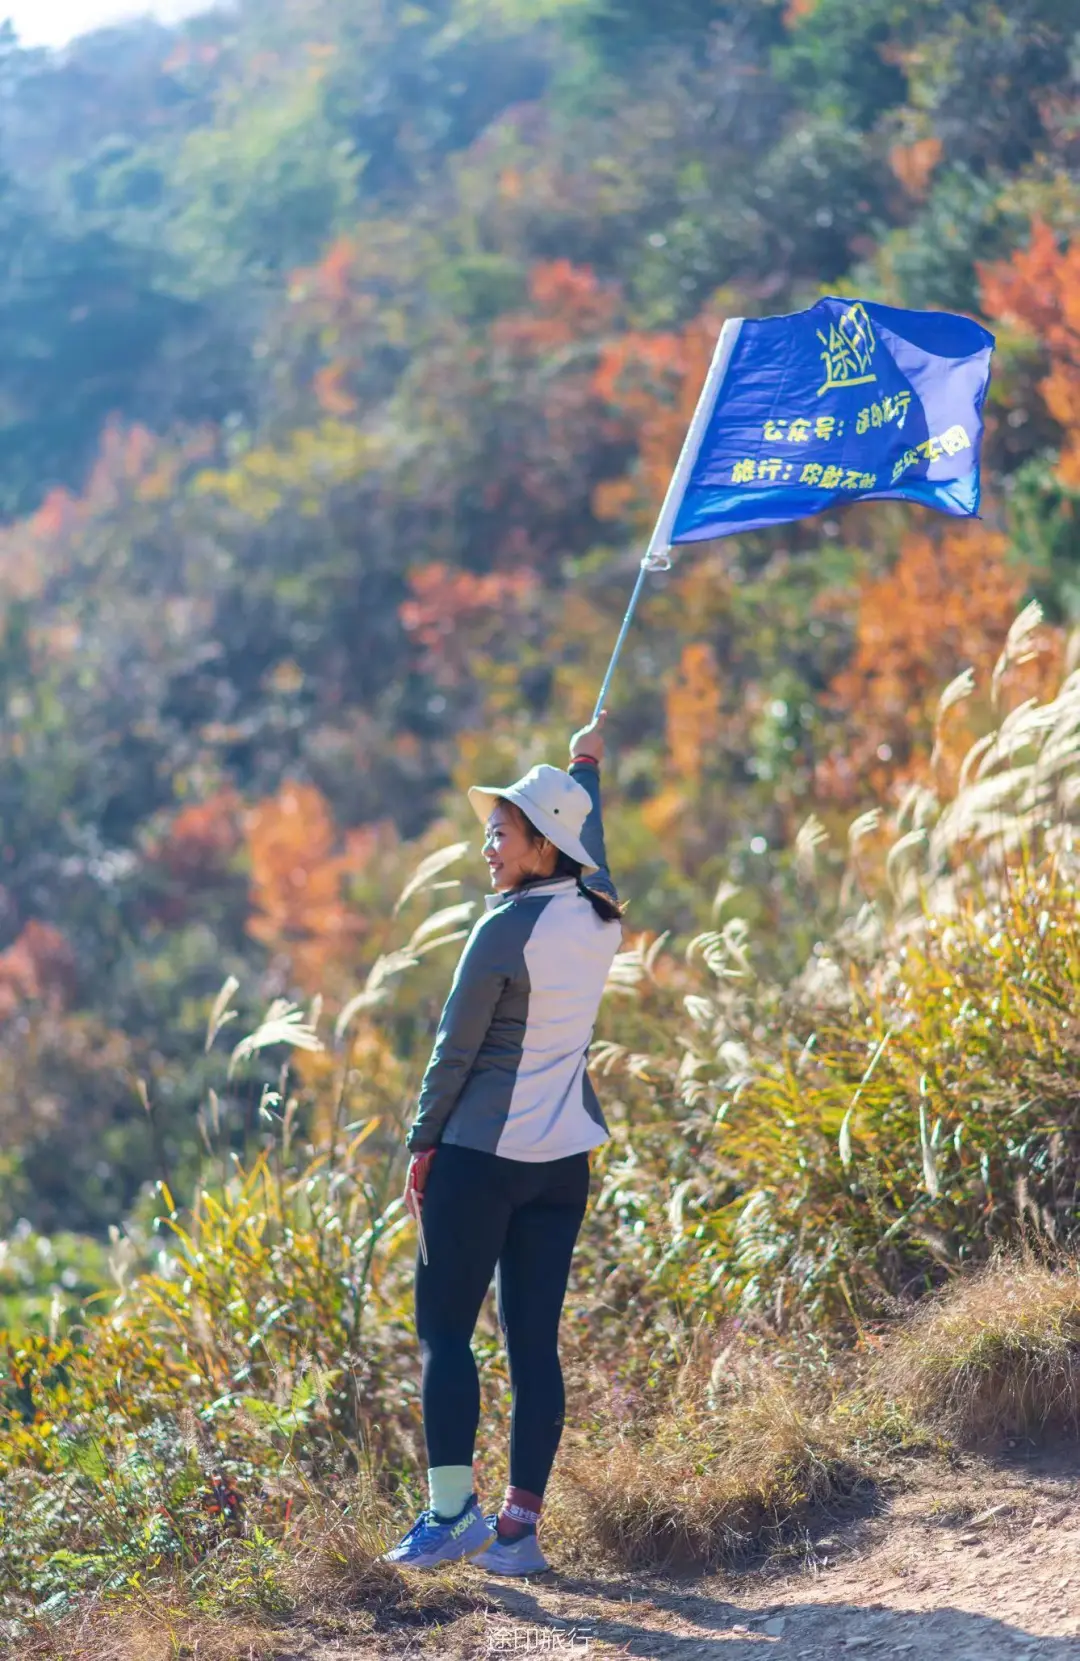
pixel 450 1488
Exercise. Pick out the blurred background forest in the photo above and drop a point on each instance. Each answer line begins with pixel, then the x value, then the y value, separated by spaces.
pixel 347 349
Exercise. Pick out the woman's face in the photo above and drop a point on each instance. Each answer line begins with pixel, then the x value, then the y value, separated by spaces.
pixel 511 853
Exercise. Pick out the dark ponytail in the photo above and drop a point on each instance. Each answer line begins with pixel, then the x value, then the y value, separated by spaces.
pixel 607 909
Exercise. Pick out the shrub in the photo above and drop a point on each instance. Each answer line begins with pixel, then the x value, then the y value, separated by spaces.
pixel 229 1388
pixel 996 1356
pixel 908 1103
pixel 932 1119
pixel 244 1598
pixel 734 1458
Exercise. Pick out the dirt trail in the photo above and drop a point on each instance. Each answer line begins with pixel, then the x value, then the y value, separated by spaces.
pixel 973 1564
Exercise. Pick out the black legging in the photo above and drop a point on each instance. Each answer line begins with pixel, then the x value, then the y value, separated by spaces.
pixel 481 1211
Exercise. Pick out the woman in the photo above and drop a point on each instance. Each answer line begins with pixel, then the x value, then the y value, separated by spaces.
pixel 500 1145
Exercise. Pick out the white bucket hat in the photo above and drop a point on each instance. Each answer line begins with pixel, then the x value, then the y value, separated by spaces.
pixel 551 800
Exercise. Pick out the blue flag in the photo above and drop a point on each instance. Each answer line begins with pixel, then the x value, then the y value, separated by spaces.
pixel 847 402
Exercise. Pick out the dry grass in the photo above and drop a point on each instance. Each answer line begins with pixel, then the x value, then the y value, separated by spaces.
pixel 155 1629
pixel 735 1458
pixel 732 1462
pixel 997 1356
pixel 165 1626
pixel 324 1576
pixel 728 1461
pixel 334 1565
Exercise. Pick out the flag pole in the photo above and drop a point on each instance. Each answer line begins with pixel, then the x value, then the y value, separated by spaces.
pixel 658 554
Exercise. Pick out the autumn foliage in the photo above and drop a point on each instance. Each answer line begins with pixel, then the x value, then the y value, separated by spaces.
pixel 1038 291
pixel 914 164
pixel 567 303
pixel 202 839
pixel 37 967
pixel 339 438
pixel 693 712
pixel 453 613
pixel 945 606
pixel 300 867
pixel 650 385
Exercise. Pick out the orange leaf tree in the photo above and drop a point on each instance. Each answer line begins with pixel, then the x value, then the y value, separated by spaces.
pixel 651 383
pixel 1038 290
pixel 946 605
pixel 693 711
pixel 299 869
pixel 455 615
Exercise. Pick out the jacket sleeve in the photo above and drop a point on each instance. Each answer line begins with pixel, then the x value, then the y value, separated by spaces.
pixel 586 773
pixel 479 981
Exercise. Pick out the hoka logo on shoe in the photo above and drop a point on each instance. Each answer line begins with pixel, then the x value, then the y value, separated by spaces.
pixel 462 1526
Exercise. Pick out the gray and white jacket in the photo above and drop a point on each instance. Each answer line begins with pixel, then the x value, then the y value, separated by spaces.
pixel 508 1071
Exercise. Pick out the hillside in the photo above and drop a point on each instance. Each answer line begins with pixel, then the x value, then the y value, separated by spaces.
pixel 350 351
pixel 349 348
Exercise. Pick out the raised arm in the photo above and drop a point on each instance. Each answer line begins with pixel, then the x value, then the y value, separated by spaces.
pixel 586 753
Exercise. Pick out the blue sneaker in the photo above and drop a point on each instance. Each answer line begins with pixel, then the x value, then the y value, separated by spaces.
pixel 433 1539
pixel 514 1557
